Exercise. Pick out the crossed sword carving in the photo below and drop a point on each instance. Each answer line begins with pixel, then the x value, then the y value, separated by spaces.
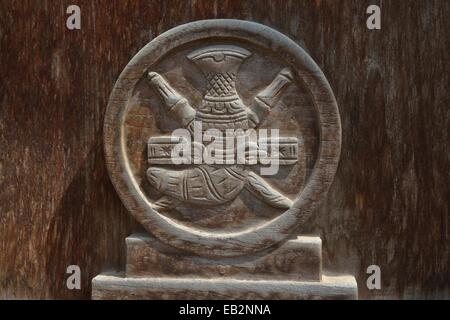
pixel 176 185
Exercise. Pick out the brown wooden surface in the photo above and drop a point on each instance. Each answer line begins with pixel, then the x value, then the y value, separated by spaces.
pixel 387 206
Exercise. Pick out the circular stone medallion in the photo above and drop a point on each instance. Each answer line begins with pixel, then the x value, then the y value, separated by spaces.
pixel 204 79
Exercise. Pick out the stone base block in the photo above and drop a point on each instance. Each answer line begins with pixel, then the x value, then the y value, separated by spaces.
pixel 113 287
pixel 298 259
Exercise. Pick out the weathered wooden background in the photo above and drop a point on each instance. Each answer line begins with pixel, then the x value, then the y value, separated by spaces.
pixel 388 205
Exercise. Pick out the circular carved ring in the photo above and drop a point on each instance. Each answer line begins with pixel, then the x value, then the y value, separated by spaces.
pixel 256 238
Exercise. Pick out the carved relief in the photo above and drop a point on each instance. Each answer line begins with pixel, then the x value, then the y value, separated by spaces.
pixel 237 80
pixel 223 81
pixel 221 108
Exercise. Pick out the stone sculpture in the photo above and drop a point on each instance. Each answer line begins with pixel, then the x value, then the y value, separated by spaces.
pixel 222 229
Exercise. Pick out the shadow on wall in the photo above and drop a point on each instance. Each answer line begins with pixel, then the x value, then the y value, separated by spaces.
pixel 89 229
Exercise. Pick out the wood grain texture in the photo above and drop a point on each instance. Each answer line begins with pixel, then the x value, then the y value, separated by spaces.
pixel 389 201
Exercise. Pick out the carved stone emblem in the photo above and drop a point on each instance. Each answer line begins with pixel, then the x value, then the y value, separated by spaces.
pixel 221 108
pixel 237 98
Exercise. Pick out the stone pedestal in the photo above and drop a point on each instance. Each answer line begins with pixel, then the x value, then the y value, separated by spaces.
pixel 259 130
pixel 155 271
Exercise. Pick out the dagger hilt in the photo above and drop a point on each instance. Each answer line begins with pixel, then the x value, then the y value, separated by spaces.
pixel 266 99
pixel 176 105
